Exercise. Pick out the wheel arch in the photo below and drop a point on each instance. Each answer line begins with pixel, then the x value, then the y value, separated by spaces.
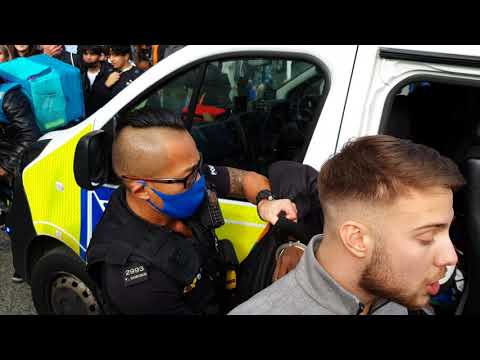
pixel 39 246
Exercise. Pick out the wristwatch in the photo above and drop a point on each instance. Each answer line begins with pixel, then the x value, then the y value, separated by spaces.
pixel 264 194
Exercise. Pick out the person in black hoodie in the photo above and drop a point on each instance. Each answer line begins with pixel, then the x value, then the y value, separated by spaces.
pixel 125 70
pixel 16 134
pixel 94 76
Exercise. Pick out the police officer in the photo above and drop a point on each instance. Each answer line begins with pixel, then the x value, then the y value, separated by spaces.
pixel 155 250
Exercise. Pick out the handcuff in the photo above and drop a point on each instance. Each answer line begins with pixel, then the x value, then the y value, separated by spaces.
pixel 284 247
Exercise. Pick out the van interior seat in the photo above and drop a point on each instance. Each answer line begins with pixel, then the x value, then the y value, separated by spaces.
pixel 471 199
pixel 428 115
pixel 228 136
pixel 464 123
pixel 443 116
pixel 399 121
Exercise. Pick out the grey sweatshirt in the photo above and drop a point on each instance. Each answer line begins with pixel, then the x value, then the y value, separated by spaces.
pixel 310 290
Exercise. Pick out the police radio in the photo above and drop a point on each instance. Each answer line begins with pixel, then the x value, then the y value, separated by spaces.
pixel 211 217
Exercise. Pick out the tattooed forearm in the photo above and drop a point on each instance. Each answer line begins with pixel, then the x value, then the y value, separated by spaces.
pixel 246 184
pixel 236 181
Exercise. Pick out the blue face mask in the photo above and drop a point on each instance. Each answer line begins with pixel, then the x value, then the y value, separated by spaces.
pixel 183 205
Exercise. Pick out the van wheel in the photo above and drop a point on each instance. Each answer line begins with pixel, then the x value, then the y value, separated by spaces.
pixel 61 285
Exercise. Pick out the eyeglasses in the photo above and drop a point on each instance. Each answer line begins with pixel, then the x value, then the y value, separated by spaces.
pixel 187 181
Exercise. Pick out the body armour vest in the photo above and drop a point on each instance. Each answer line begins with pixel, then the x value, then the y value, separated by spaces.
pixel 122 238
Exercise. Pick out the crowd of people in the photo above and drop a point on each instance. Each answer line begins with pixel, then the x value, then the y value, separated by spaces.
pixel 105 70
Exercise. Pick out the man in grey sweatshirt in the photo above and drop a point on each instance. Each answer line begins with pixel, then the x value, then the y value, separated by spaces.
pixel 387 206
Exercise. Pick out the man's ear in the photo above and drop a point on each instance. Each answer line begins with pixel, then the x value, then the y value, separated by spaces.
pixel 138 189
pixel 355 238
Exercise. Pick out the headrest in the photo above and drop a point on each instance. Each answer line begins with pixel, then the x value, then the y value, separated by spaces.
pixel 476 134
pixel 399 121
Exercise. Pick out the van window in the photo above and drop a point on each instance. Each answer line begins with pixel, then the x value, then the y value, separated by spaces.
pixel 253 112
pixel 175 95
pixel 249 112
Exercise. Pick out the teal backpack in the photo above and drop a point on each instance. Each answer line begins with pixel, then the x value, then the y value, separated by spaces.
pixel 53 88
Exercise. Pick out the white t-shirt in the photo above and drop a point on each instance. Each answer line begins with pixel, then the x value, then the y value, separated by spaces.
pixel 92 76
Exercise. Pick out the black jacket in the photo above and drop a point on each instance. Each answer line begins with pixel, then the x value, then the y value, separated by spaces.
pixel 125 79
pixel 19 133
pixel 98 94
pixel 298 182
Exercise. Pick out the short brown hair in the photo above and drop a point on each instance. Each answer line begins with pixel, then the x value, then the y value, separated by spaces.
pixel 380 168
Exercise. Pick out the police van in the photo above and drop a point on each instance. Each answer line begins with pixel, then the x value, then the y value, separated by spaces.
pixel 247 107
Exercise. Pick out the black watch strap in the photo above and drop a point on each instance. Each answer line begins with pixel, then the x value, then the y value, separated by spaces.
pixel 264 194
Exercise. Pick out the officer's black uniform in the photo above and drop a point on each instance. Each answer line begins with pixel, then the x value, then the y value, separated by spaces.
pixel 149 269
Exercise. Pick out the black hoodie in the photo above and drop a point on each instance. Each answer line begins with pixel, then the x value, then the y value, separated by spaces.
pixel 98 94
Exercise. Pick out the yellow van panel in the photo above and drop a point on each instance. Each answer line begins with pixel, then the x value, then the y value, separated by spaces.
pixel 53 194
pixel 242 226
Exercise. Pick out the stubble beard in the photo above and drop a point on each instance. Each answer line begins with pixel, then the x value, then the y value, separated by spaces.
pixel 378 280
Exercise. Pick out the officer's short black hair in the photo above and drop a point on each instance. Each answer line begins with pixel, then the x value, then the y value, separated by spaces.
pixel 120 50
pixel 95 49
pixel 127 149
pixel 148 117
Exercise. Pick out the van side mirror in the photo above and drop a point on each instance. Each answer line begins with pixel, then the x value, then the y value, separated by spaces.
pixel 92 161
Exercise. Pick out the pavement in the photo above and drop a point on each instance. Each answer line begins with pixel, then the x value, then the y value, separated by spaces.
pixel 15 299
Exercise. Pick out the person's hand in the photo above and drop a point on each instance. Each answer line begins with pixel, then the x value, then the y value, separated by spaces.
pixel 52 50
pixel 287 261
pixel 269 210
pixel 112 79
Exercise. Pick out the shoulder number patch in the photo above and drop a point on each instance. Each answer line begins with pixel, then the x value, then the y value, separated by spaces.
pixel 134 274
pixel 213 171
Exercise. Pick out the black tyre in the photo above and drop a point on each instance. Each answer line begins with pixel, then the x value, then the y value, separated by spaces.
pixel 61 285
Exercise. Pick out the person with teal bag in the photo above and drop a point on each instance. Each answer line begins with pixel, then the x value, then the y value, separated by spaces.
pixel 17 132
pixel 53 88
